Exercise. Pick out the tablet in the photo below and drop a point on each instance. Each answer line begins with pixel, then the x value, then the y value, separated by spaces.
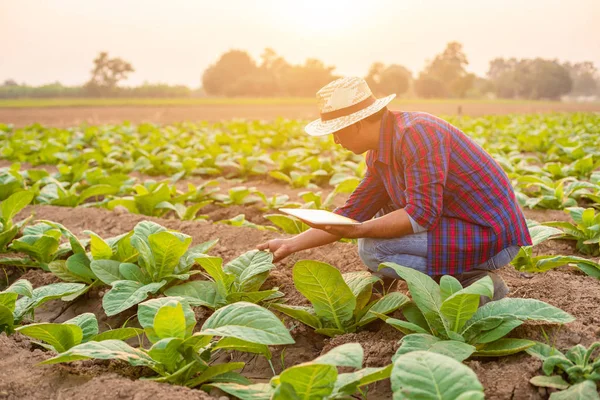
pixel 319 217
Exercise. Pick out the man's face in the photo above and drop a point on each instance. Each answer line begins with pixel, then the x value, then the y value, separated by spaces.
pixel 351 139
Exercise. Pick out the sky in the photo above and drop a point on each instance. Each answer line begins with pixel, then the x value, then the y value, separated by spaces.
pixel 174 41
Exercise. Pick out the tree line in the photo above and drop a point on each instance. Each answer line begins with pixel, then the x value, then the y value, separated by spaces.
pixel 236 73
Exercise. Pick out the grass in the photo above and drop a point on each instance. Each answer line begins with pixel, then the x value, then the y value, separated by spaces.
pixel 216 101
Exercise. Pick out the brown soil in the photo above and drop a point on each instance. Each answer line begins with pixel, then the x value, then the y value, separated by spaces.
pixel 504 378
pixel 70 116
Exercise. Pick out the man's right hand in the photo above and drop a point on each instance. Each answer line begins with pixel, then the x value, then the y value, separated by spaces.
pixel 281 248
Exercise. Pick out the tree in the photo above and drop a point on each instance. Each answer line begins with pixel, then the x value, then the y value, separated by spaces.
pixel 385 80
pixel 107 74
pixel 446 74
pixel 10 82
pixel 221 78
pixel 584 76
pixel 305 80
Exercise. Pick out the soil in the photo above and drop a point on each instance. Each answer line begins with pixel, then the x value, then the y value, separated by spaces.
pixel 70 116
pixel 505 378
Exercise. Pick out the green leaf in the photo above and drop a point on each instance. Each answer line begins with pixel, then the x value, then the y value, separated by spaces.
pixel 345 355
pixel 543 351
pixel 60 336
pixel 585 390
pixel 59 268
pixel 387 304
pixel 22 287
pixel 258 391
pixel 88 324
pixel 460 306
pixel 8 300
pixel 522 309
pixel 249 265
pixel 132 272
pixel 248 322
pixel 169 322
pixel 118 334
pixel 13 204
pixel 165 352
pixel 126 294
pixel 97 190
pixel 306 315
pixel 197 293
pixel 361 285
pixel 167 249
pixel 44 294
pixel 214 267
pixel 426 295
pixel 289 225
pixel 214 371
pixel 106 270
pixel 105 350
pixel 423 342
pixel 147 312
pixel 79 264
pixel 310 381
pixel 503 347
pixel 99 248
pixel 405 326
pixel 285 391
pixel 251 297
pixel 590 270
pixel 556 382
pixel 331 332
pixel 6 319
pixel 232 343
pixel 348 383
pixel 498 332
pixel 541 233
pixel 76 245
pixel 448 286
pixel 427 375
pixel 325 288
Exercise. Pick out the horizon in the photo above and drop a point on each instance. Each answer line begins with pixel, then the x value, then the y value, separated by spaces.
pixel 197 33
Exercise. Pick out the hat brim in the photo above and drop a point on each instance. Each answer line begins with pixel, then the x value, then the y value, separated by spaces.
pixel 322 128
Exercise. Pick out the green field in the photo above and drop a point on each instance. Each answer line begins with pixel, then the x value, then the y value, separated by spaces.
pixel 203 101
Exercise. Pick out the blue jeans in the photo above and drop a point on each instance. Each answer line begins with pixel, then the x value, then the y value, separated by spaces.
pixel 411 251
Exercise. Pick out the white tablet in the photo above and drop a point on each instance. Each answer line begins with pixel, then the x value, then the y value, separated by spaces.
pixel 319 217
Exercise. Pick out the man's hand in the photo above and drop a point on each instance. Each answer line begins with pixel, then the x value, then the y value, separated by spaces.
pixel 281 248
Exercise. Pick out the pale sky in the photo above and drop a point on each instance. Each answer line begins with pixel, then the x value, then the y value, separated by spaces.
pixel 173 41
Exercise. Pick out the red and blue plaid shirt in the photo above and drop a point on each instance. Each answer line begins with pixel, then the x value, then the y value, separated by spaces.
pixel 448 184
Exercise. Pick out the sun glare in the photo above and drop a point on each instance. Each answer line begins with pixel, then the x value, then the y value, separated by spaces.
pixel 322 17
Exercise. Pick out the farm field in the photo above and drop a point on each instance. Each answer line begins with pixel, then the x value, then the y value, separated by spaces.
pixel 71 112
pixel 77 188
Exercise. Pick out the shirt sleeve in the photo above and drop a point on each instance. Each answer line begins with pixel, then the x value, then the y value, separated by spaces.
pixel 426 150
pixel 366 200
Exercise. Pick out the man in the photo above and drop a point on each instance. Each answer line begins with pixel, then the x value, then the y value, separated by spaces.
pixel 441 204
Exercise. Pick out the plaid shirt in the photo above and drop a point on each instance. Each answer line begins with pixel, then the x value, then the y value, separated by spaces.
pixel 448 184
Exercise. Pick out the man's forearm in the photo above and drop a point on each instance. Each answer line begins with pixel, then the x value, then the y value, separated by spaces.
pixel 312 238
pixel 392 225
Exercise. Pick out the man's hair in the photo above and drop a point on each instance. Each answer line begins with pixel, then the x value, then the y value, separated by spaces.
pixel 377 116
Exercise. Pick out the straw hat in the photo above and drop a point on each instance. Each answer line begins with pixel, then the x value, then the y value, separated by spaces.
pixel 344 102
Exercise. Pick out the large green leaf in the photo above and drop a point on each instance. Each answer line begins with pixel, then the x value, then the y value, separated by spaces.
pixel 44 294
pixel 248 322
pixel 8 300
pixel 387 304
pixel 22 287
pixel 118 334
pixel 59 268
pixel 306 315
pixel 105 350
pixel 213 371
pixel 98 247
pixel 13 204
pixel 76 245
pixel 232 343
pixel 214 267
pixel 6 319
pixel 197 293
pixel 503 347
pixel 541 233
pixel 345 355
pixel 79 264
pixel 460 351
pixel 60 336
pixel 253 297
pixel 167 248
pixel 310 381
pixel 250 269
pixel 169 322
pixel 348 383
pixel 165 352
pixel 448 286
pixel 324 286
pixel 498 332
pixel 126 294
pixel 426 295
pixel 88 324
pixel 148 310
pixel 428 375
pixel 132 272
pixel 585 390
pixel 404 326
pixel 361 284
pixel 257 391
pixel 460 306
pixel 522 309
pixel 40 247
pixel 106 270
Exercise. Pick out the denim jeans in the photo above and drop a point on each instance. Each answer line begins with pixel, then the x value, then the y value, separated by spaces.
pixel 411 251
